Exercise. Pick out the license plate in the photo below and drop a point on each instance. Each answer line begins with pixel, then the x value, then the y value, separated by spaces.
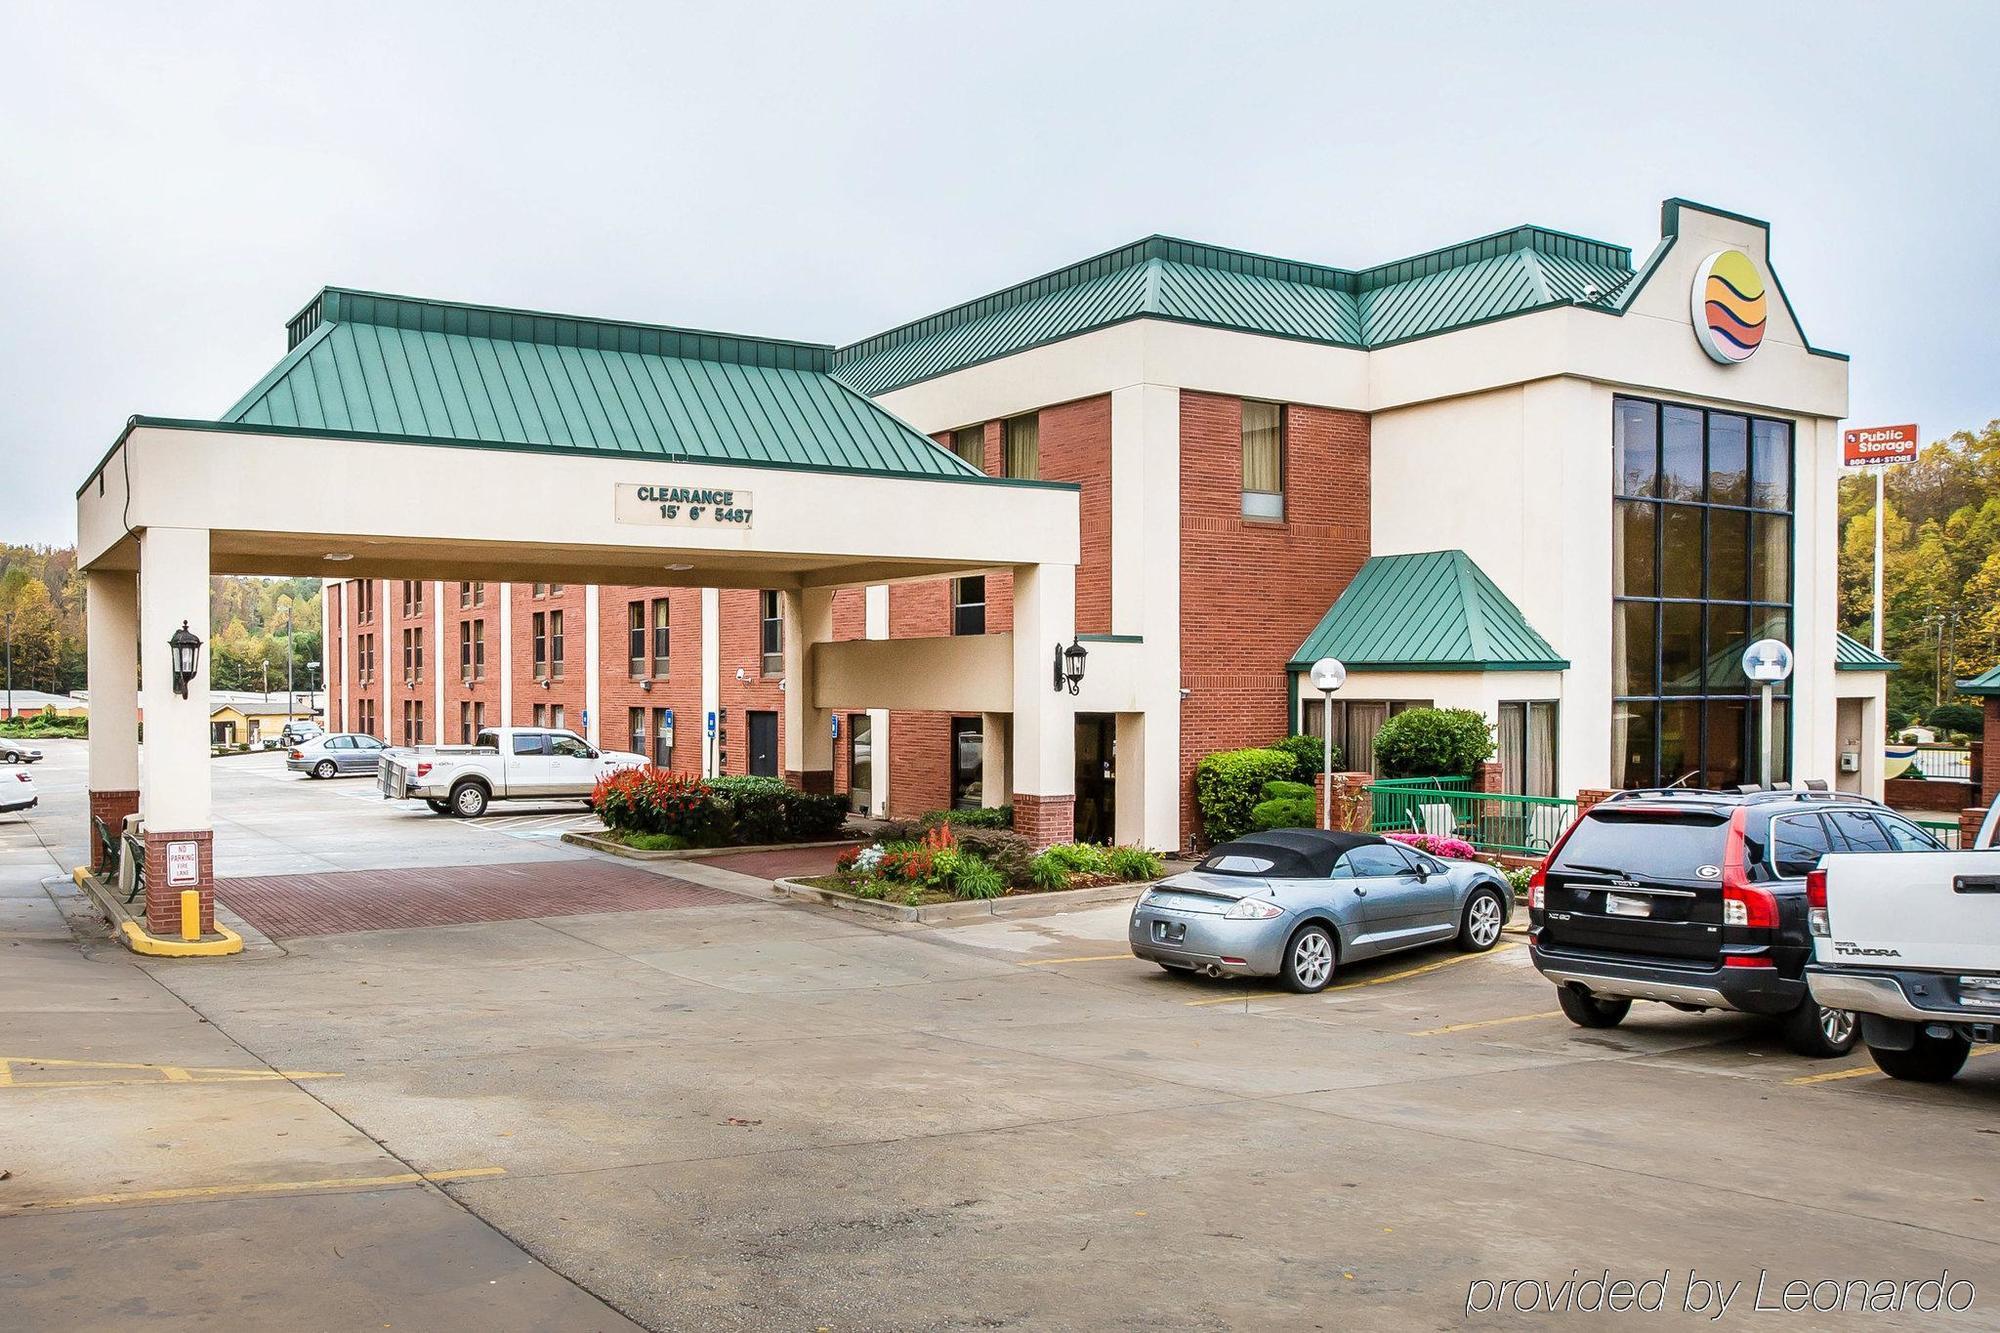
pixel 1169 932
pixel 1617 904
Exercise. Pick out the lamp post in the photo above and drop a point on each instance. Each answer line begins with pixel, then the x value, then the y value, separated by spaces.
pixel 1328 675
pixel 10 665
pixel 1768 662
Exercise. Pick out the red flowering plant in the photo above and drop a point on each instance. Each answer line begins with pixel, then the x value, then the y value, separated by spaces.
pixel 653 800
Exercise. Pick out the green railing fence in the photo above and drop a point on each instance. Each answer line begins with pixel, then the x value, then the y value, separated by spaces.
pixel 1944 830
pixel 1490 821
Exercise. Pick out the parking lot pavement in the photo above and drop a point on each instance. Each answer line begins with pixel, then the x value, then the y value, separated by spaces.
pixel 749 1114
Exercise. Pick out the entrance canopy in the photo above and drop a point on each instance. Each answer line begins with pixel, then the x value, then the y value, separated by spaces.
pixel 431 440
pixel 411 439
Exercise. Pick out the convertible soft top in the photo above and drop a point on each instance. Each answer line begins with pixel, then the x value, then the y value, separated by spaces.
pixel 1290 853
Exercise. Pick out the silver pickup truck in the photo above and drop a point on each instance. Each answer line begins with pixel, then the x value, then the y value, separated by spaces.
pixel 501 764
pixel 1912 945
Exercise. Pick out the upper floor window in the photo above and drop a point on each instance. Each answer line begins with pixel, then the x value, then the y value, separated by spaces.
pixel 1024 447
pixel 556 644
pixel 771 635
pixel 413 597
pixel 1263 460
pixel 635 639
pixel 662 636
pixel 464 596
pixel 970 444
pixel 968 604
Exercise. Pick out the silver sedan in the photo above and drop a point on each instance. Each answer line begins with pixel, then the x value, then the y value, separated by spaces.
pixel 1297 903
pixel 340 753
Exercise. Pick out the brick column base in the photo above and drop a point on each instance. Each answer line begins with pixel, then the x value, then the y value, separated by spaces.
pixel 111 807
pixel 817 781
pixel 1488 778
pixel 1353 808
pixel 1968 827
pixel 1045 820
pixel 163 900
pixel 1589 796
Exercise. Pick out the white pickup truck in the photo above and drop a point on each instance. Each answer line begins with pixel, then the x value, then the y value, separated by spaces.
pixel 501 764
pixel 1912 944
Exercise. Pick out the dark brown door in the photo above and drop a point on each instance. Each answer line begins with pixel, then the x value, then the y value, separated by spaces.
pixel 763 744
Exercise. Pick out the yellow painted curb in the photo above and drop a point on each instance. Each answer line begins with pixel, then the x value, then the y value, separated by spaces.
pixel 138 941
pixel 80 874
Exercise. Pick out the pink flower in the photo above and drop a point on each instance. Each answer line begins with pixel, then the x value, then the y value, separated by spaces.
pixel 1449 849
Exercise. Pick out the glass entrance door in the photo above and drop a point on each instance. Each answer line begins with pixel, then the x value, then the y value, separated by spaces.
pixel 860 763
pixel 1096 777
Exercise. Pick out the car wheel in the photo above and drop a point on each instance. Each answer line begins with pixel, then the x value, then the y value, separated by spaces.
pixel 468 800
pixel 1587 1011
pixel 438 807
pixel 11 757
pixel 1485 914
pixel 1308 964
pixel 1929 1060
pixel 324 769
pixel 1819 1033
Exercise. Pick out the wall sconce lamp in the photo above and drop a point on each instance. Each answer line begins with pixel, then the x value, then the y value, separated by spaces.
pixel 1069 666
pixel 184 649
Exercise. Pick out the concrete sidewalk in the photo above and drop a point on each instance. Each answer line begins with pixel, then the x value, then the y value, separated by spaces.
pixel 155 1169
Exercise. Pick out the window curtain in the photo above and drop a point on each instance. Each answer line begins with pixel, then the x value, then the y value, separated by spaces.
pixel 1024 447
pixel 1541 750
pixel 1513 748
pixel 970 444
pixel 1261 464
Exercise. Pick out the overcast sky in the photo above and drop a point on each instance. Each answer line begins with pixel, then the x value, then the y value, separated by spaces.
pixel 176 180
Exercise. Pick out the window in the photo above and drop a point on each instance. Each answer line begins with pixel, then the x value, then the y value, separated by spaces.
pixel 540 590
pixel 413 598
pixel 1907 837
pixel 479 650
pixel 771 638
pixel 1702 565
pixel 635 640
pixel 365 715
pixel 635 719
pixel 1355 723
pixel 413 654
pixel 663 639
pixel 413 722
pixel 663 738
pixel 968 605
pixel 568 747
pixel 1797 844
pixel 555 589
pixel 1263 460
pixel 541 637
pixel 364 601
pixel 479 594
pixel 532 744
pixel 465 650
pixel 465 722
pixel 478 717
pixel 541 720
pixel 556 715
pixel 1528 749
pixel 464 596
pixel 970 444
pixel 1368 862
pixel 364 657
pixel 1024 448
pixel 1858 831
pixel 968 763
pixel 556 644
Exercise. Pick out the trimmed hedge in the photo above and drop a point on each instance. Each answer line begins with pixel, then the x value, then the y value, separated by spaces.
pixel 1308 752
pixel 1229 785
pixel 1434 743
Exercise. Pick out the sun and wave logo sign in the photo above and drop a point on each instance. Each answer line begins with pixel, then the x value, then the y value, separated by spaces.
pixel 1729 306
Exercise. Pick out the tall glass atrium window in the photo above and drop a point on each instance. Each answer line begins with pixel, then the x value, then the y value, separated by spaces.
pixel 1702 566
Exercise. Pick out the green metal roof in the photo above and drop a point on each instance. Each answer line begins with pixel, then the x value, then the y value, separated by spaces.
pixel 1850 654
pixel 396 366
pixel 1433 611
pixel 1508 273
pixel 1987 682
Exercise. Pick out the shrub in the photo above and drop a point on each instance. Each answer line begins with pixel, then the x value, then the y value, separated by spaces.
pixel 1450 849
pixel 1308 754
pixel 1287 791
pixel 998 816
pixel 976 879
pixel 1229 784
pixel 1966 719
pixel 759 809
pixel 1006 851
pixel 1135 863
pixel 652 800
pixel 1433 743
pixel 1517 878
pixel 1284 812
pixel 1046 872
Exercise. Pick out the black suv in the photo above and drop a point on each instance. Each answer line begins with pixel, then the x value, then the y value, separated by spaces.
pixel 1697 899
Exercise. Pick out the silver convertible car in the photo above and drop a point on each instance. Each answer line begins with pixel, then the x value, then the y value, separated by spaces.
pixel 1296 903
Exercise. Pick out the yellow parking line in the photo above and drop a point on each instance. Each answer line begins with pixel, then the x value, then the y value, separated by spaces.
pixel 1088 958
pixel 264 1187
pixel 1861 1071
pixel 1356 985
pixel 1487 1023
pixel 128 1073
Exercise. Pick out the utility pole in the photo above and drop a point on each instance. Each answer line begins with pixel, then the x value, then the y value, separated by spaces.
pixel 10 666
pixel 1880 472
pixel 290 696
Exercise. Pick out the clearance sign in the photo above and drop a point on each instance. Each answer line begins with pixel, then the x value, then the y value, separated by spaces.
pixel 1879 444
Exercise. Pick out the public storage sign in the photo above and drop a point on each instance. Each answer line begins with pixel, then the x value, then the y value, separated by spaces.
pixel 684 506
pixel 1879 444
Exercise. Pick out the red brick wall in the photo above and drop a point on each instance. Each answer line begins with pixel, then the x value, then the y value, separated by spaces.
pixel 741 647
pixel 1076 446
pixel 1989 773
pixel 377 626
pixel 335 671
pixel 485 690
pixel 569 691
pixel 679 689
pixel 389 660
pixel 1252 591
pixel 920 742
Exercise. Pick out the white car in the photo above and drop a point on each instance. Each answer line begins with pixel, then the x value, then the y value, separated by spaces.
pixel 502 763
pixel 18 752
pixel 17 791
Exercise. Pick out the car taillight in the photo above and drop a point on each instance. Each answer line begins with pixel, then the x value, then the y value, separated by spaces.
pixel 24 777
pixel 1743 903
pixel 1816 904
pixel 1538 888
pixel 296 754
pixel 423 770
